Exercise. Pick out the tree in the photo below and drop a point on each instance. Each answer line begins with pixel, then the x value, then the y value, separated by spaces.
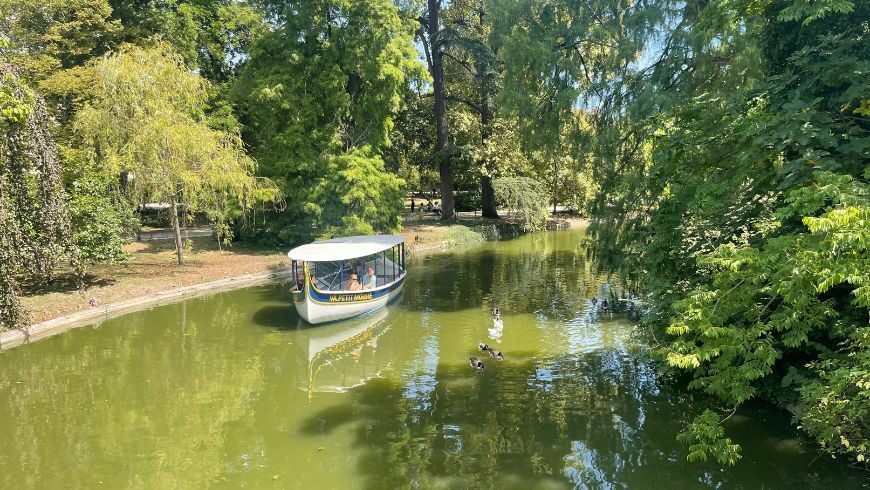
pixel 356 197
pixel 735 184
pixel 434 45
pixel 146 119
pixel 47 36
pixel 35 234
pixel 212 36
pixel 547 54
pixel 525 200
pixel 473 81
pixel 327 82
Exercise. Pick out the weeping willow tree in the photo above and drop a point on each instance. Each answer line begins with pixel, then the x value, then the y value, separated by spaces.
pixel 146 120
pixel 526 200
pixel 35 232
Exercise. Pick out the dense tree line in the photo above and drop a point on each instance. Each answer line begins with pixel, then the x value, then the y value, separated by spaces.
pixel 732 152
pixel 721 148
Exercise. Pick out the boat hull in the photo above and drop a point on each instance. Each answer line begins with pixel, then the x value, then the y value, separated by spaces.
pixel 315 306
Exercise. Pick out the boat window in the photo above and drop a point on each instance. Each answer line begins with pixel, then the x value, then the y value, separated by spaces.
pixel 328 276
pixel 388 266
pixel 297 275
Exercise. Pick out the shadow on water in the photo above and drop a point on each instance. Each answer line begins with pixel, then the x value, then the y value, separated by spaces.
pixel 283 317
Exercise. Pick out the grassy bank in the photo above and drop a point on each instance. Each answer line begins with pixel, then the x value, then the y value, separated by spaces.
pixel 426 235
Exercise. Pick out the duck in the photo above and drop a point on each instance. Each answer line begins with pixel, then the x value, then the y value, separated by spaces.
pixel 496 354
pixel 475 363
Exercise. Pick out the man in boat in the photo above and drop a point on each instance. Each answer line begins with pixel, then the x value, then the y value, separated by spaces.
pixel 352 284
pixel 370 281
pixel 300 282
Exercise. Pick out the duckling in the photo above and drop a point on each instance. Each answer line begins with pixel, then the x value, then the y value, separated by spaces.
pixel 475 363
pixel 496 354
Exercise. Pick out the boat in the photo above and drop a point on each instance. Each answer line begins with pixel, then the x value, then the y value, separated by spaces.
pixel 324 289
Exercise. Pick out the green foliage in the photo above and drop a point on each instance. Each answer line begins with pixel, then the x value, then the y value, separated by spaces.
pixel 146 118
pixel 525 199
pixel 212 36
pixel 35 235
pixel 463 235
pixel 740 199
pixel 837 398
pixel 808 11
pixel 705 437
pixel 356 197
pixel 102 223
pixel 328 81
pixel 47 36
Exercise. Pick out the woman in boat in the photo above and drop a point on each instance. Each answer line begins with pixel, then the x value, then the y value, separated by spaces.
pixel 352 284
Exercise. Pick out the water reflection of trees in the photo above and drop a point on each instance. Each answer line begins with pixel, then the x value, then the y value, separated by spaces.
pixel 542 274
pixel 140 405
pixel 513 425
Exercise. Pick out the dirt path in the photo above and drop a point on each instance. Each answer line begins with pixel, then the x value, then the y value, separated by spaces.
pixel 151 269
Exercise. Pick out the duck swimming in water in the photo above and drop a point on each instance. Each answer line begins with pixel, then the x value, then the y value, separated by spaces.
pixel 495 354
pixel 475 363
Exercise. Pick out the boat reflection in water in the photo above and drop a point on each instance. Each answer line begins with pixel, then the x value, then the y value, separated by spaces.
pixel 339 354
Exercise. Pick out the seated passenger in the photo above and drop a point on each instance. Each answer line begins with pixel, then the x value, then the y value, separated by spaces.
pixel 352 284
pixel 370 281
pixel 300 282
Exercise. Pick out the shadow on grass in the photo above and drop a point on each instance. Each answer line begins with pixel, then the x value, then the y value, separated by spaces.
pixel 67 283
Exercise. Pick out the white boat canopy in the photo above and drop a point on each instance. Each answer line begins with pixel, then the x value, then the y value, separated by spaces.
pixel 345 248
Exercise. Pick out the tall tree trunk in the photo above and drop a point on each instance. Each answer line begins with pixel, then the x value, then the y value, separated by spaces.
pixel 176 228
pixel 555 183
pixel 445 166
pixel 486 89
pixel 487 193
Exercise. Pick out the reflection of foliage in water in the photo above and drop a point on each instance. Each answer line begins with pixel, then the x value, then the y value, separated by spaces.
pixel 513 281
pixel 508 425
pixel 171 419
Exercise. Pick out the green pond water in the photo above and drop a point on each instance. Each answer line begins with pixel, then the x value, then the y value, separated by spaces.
pixel 233 391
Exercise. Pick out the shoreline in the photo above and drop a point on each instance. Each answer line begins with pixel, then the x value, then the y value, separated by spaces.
pixel 57 325
pixel 95 315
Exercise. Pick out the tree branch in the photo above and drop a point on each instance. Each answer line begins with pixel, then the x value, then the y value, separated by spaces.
pixel 467 102
pixel 461 63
